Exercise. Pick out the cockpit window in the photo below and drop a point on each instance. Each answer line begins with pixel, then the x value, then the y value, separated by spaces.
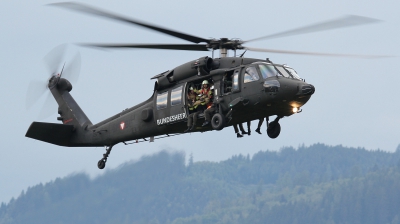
pixel 268 71
pixel 293 73
pixel 235 81
pixel 283 71
pixel 251 75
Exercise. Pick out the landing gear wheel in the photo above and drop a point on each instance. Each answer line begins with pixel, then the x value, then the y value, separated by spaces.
pixel 101 164
pixel 274 129
pixel 218 121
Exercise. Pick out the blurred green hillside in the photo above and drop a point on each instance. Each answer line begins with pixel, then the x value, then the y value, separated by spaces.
pixel 315 184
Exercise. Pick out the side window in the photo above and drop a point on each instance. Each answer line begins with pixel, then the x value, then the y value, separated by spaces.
pixel 268 71
pixel 176 96
pixel 227 83
pixel 235 81
pixel 250 75
pixel 162 100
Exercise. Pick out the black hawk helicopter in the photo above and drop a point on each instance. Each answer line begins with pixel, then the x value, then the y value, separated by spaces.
pixel 243 89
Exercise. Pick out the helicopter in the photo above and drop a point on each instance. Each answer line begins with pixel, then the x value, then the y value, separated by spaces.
pixel 243 89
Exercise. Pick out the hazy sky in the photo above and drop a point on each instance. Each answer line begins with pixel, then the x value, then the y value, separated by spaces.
pixel 355 104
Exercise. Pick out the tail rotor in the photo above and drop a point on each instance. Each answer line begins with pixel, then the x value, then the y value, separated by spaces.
pixel 57 68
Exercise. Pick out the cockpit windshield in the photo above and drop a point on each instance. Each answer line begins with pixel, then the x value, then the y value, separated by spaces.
pixel 268 70
pixel 293 73
pixel 283 71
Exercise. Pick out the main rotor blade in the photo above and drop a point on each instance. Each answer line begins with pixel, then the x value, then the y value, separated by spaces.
pixel 188 47
pixel 347 21
pixel 317 53
pixel 98 12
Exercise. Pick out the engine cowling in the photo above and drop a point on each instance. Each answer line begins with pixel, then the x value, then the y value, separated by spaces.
pixel 201 66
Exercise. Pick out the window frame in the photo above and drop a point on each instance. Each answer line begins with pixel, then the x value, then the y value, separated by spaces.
pixel 283 70
pixel 295 75
pixel 245 74
pixel 236 76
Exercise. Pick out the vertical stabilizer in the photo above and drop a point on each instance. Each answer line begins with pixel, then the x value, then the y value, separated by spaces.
pixel 69 110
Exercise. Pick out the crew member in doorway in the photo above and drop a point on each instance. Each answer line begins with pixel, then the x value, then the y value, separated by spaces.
pixel 191 99
pixel 192 119
pixel 205 94
pixel 208 114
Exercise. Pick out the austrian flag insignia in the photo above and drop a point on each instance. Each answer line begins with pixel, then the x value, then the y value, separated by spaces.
pixel 122 125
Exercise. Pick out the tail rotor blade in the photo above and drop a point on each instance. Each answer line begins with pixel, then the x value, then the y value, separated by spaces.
pixel 49 108
pixel 36 89
pixel 55 64
pixel 73 68
pixel 54 59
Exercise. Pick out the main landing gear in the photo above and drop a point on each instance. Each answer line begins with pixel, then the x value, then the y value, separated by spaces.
pixel 102 162
pixel 218 121
pixel 274 128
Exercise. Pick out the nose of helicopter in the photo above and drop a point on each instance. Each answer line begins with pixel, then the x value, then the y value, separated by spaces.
pixel 307 90
pixel 304 93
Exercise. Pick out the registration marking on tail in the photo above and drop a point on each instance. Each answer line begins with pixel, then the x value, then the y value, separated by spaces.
pixel 67 121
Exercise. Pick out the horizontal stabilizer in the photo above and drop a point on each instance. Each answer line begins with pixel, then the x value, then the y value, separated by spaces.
pixel 58 134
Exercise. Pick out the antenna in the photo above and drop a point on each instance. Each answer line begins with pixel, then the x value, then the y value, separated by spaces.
pixel 62 69
pixel 243 54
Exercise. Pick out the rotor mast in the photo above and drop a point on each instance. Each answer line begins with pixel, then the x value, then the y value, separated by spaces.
pixel 225 44
pixel 223 52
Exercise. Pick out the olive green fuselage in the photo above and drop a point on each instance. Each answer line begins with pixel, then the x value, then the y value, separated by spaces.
pixel 253 101
pixel 243 90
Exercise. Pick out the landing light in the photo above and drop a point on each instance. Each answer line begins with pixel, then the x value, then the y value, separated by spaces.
pixel 295 109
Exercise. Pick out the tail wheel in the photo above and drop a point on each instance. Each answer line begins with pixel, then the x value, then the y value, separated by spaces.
pixel 101 164
pixel 218 121
pixel 274 129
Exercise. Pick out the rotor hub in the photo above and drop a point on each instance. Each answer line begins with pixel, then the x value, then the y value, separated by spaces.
pixel 53 81
pixel 225 43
